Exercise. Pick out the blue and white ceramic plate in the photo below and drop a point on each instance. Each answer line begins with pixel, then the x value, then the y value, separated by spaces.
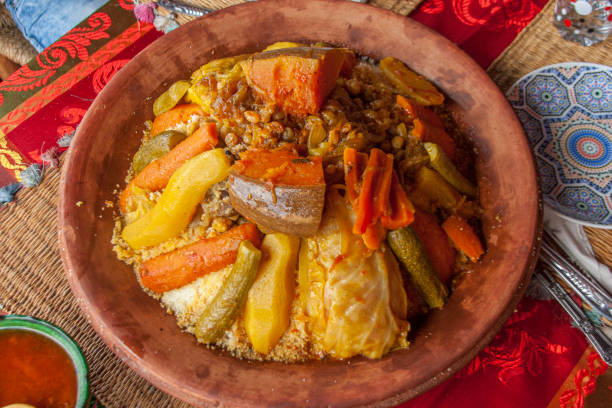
pixel 566 111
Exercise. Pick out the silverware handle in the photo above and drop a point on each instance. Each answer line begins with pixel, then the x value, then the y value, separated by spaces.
pixel 594 335
pixel 182 8
pixel 589 291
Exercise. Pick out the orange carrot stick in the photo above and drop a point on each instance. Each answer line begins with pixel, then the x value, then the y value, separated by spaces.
pixel 401 211
pixel 156 174
pixel 365 202
pixel 426 132
pixel 463 237
pixel 417 111
pixel 374 234
pixel 176 115
pixel 383 185
pixel 354 165
pixel 184 265
pixel 437 247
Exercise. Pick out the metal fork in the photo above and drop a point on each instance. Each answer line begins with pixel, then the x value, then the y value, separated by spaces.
pixel 595 336
pixel 183 8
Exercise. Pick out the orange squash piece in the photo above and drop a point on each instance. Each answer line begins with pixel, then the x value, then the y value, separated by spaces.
pixel 279 191
pixel 299 79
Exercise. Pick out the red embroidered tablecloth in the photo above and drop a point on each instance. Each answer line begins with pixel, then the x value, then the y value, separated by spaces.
pixel 537 359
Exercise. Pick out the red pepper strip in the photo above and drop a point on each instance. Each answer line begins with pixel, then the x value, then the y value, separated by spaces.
pixel 354 166
pixel 383 186
pixel 417 111
pixel 425 132
pixel 401 210
pixel 374 234
pixel 365 203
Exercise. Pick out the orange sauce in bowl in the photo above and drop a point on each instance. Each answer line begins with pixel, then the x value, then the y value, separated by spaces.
pixel 35 370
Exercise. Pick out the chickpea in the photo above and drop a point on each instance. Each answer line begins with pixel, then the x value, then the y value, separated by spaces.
pixel 353 86
pixel 252 116
pixel 231 139
pixel 397 142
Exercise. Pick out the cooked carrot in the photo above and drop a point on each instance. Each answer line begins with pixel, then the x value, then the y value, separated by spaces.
pixel 463 237
pixel 383 185
pixel 176 115
pixel 426 132
pixel 365 202
pixel 354 165
pixel 374 234
pixel 418 111
pixel 184 265
pixel 401 211
pixel 124 198
pixel 156 174
pixel 437 246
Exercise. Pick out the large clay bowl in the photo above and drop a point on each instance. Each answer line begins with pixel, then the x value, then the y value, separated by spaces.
pixel 137 329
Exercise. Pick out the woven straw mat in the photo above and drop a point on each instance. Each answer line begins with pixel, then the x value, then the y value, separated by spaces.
pixel 32 279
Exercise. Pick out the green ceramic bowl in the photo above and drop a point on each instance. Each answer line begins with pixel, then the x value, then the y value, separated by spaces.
pixel 44 328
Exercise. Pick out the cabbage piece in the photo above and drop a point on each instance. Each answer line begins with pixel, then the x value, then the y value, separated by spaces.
pixel 353 296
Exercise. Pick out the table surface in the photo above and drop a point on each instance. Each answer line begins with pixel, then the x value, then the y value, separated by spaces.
pixel 536 360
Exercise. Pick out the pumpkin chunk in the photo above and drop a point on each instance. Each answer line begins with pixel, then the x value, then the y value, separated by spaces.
pixel 279 191
pixel 299 79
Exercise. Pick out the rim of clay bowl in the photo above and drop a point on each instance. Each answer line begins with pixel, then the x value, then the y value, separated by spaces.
pixel 392 392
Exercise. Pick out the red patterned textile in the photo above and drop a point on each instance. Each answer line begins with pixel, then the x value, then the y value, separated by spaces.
pixel 482 28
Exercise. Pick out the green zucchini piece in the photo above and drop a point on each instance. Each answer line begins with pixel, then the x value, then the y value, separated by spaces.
pixel 221 312
pixel 443 165
pixel 155 148
pixel 409 250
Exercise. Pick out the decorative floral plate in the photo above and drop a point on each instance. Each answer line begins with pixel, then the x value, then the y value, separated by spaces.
pixel 566 111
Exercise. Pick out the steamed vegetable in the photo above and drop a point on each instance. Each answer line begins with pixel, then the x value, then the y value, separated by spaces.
pixel 279 191
pixel 409 250
pixel 170 98
pixel 224 308
pixel 400 212
pixel 176 206
pixel 184 265
pixel 268 307
pixel 177 115
pixel 377 198
pixel 156 174
pixel 440 161
pixel 426 132
pixel 410 83
pixel 463 237
pixel 436 244
pixel 299 79
pixel 431 190
pixel 155 148
pixel 418 111
pixel 347 290
pixel 210 77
